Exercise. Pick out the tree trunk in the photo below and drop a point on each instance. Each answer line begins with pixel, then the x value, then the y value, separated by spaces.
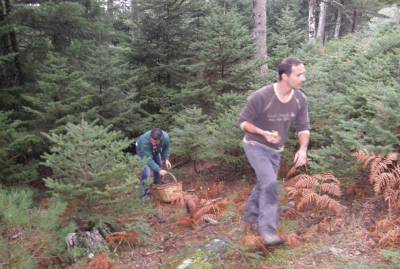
pixel 353 22
pixel 260 32
pixel 4 42
pixel 14 46
pixel 338 23
pixel 312 6
pixel 321 22
pixel 110 8
pixel 134 7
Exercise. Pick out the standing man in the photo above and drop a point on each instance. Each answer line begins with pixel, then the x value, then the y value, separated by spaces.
pixel 265 120
pixel 153 145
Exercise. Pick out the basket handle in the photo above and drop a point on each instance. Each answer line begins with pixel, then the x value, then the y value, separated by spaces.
pixel 173 177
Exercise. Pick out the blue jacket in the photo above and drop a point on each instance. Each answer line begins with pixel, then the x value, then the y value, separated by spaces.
pixel 145 149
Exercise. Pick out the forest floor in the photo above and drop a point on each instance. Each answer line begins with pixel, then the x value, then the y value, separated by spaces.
pixel 322 240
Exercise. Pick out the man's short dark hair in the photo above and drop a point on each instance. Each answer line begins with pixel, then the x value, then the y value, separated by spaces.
pixel 285 66
pixel 156 133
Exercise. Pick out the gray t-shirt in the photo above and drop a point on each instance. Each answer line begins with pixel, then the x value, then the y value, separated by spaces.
pixel 264 110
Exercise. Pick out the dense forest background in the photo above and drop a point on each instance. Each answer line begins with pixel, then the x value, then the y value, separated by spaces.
pixel 79 80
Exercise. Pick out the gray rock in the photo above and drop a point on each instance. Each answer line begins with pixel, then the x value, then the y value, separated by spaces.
pixel 200 257
pixel 87 244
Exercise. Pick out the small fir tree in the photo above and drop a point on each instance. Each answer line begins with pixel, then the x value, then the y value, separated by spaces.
pixel 190 135
pixel 30 237
pixel 225 146
pixel 90 169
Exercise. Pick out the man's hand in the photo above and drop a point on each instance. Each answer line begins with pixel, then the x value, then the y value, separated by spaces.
pixel 300 158
pixel 163 172
pixel 271 137
pixel 168 164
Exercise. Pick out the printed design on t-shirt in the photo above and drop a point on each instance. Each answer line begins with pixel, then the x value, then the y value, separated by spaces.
pixel 280 116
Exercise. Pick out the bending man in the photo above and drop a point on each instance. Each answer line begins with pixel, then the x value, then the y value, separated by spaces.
pixel 153 145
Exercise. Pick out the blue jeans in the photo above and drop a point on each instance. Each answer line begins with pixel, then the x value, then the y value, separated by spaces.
pixel 146 174
pixel 263 204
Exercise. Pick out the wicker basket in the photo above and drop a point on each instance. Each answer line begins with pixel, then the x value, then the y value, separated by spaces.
pixel 169 192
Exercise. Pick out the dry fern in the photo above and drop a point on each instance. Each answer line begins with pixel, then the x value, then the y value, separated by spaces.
pixel 391 238
pixel 365 158
pixel 293 240
pixel 315 191
pixel 253 243
pixel 215 206
pixel 186 221
pixel 384 176
pixel 242 196
pixel 202 210
pixel 291 213
pixel 384 225
pixel 115 240
pixel 214 191
pixel 100 261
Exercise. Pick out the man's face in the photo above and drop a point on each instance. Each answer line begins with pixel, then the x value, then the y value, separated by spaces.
pixel 154 142
pixel 296 79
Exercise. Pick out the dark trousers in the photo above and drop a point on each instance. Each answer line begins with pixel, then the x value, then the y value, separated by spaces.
pixel 263 204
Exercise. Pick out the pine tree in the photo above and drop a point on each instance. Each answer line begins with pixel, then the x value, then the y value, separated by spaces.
pixel 30 236
pixel 62 95
pixel 165 30
pixel 115 94
pixel 223 60
pixel 286 36
pixel 190 135
pixel 159 47
pixel 16 164
pixel 353 106
pixel 89 167
pixel 225 147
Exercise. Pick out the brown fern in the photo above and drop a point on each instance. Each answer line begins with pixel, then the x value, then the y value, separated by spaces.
pixel 384 176
pixel 100 261
pixel 384 226
pixel 115 240
pixel 202 210
pixel 294 240
pixel 331 188
pixel 214 191
pixel 215 206
pixel 315 191
pixel 306 181
pixel 242 196
pixel 309 198
pixel 253 243
pixel 186 221
pixel 378 166
pixel 364 157
pixel 391 238
pixel 291 213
